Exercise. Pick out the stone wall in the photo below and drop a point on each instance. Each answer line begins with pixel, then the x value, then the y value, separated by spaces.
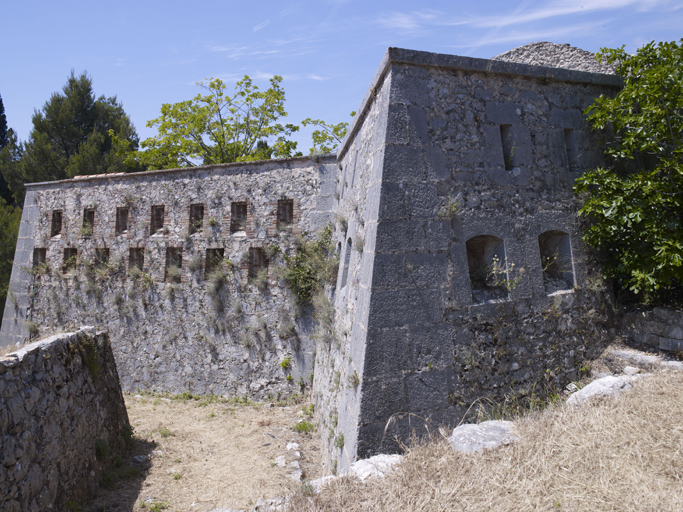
pixel 58 398
pixel 197 304
pixel 660 328
pixel 475 174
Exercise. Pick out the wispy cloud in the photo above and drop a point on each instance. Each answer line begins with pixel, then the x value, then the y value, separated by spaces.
pixel 313 76
pixel 261 25
pixel 407 21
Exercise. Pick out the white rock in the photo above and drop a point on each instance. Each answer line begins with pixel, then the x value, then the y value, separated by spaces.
pixel 674 365
pixel 377 466
pixel 319 483
pixel 605 386
pixel 292 446
pixel 294 464
pixel 280 461
pixel 296 475
pixel 631 370
pixel 487 435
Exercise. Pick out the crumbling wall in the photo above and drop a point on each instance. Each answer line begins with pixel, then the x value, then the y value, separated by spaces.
pixel 190 291
pixel 60 402
pixel 660 328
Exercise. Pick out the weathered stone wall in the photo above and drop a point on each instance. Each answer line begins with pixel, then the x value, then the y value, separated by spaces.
pixel 660 328
pixel 195 330
pixel 473 151
pixel 58 397
pixel 339 361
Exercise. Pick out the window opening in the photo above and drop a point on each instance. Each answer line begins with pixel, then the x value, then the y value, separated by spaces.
pixel 508 146
pixel 556 258
pixel 572 148
pixel 214 259
pixel 196 218
pixel 101 256
pixel 70 259
pixel 88 222
pixel 285 213
pixel 174 264
pixel 488 269
pixel 136 258
pixel 39 257
pixel 347 261
pixel 157 222
pixel 56 226
pixel 257 261
pixel 121 221
pixel 238 216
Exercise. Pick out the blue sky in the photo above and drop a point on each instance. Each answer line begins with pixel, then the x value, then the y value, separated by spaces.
pixel 153 52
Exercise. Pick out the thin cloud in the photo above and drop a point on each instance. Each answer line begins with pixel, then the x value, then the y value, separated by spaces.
pixel 312 76
pixel 407 21
pixel 261 25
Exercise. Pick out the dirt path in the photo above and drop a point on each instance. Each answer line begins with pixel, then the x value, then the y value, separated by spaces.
pixel 193 455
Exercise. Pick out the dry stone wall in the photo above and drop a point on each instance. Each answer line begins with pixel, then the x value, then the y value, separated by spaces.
pixel 59 398
pixel 182 269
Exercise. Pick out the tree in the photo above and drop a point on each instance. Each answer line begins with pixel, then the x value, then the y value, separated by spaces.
pixel 74 133
pixel 327 137
pixel 5 135
pixel 218 127
pixel 3 125
pixel 636 204
pixel 10 217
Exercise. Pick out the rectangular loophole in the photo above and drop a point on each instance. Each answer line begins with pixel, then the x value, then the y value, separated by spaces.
pixel 39 257
pixel 174 264
pixel 572 148
pixel 70 259
pixel 121 220
pixel 56 225
pixel 88 222
pixel 157 221
pixel 101 256
pixel 257 261
pixel 136 258
pixel 214 258
pixel 196 218
pixel 508 146
pixel 285 213
pixel 238 216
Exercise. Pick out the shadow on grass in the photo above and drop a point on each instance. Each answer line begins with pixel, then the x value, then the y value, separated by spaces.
pixel 122 479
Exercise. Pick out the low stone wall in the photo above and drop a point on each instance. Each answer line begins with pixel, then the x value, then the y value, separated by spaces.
pixel 660 328
pixel 59 399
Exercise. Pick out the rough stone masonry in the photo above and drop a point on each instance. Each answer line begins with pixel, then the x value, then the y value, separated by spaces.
pixel 462 277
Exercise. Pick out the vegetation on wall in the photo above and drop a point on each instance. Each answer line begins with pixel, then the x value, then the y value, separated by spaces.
pixel 634 204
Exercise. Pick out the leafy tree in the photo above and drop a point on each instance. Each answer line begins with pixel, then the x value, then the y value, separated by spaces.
pixel 10 217
pixel 5 135
pixel 218 127
pixel 74 133
pixel 327 137
pixel 636 204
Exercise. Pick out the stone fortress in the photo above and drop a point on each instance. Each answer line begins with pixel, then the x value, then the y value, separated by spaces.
pixel 462 277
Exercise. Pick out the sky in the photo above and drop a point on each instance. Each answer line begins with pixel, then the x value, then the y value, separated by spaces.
pixel 150 52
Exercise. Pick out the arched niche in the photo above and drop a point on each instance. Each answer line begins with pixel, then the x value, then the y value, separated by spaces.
pixel 487 268
pixel 556 260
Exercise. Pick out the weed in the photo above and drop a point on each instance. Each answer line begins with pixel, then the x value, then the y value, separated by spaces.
pixel 354 379
pixel 451 209
pixel 286 330
pixel 290 378
pixel 217 279
pixel 343 223
pixel 32 328
pixel 304 427
pixel 358 243
pixel 177 476
pixel 334 467
pixel 286 363
pixel 306 489
pixel 195 263
pixel 339 441
pixel 212 221
pixel 12 298
pixel 173 273
pixel 164 432
pixel 308 410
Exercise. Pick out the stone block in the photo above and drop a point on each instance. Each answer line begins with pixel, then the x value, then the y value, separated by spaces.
pixel 431 344
pixel 437 162
pixel 392 204
pixel 387 352
pixel 429 389
pixel 398 125
pixel 498 112
pixel 421 200
pixel 395 236
pixel 405 164
pixel 438 235
pixel 671 344
pixel 425 270
pixel 382 398
pixel 405 307
pixel 418 126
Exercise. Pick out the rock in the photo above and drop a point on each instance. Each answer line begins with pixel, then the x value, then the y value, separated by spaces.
pixel 631 370
pixel 292 446
pixel 487 435
pixel 636 357
pixel 605 386
pixel 674 365
pixel 319 483
pixel 280 461
pixel 140 458
pixel 377 466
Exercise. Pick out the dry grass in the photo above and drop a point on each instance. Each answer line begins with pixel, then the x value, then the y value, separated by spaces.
pixel 207 455
pixel 618 454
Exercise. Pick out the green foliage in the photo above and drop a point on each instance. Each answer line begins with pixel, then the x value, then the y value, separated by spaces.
pixel 304 427
pixel 313 264
pixel 451 209
pixel 74 133
pixel 286 363
pixel 10 218
pixel 634 206
pixel 327 137
pixel 219 127
pixel 339 441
